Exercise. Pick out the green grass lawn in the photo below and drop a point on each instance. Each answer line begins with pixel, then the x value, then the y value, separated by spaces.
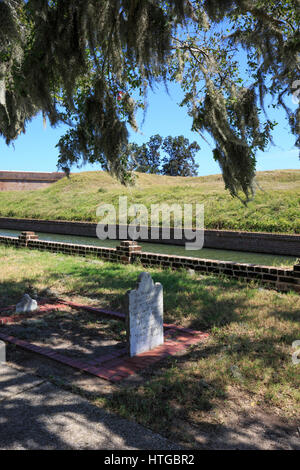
pixel 246 362
pixel 274 209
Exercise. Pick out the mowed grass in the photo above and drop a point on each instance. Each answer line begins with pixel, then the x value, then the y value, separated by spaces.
pixel 275 208
pixel 246 363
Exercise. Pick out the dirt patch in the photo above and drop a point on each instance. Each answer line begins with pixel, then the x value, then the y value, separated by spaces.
pixel 75 334
pixel 240 426
pixel 72 333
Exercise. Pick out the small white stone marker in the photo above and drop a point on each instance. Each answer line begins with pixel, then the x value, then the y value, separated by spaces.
pixel 2 352
pixel 144 319
pixel 26 305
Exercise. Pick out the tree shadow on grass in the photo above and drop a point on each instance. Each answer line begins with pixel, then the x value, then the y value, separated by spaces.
pixel 184 296
pixel 286 315
pixel 183 388
pixel 11 292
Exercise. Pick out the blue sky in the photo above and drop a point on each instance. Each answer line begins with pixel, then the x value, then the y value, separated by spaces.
pixel 35 150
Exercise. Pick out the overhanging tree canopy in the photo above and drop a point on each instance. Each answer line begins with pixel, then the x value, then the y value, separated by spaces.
pixel 71 58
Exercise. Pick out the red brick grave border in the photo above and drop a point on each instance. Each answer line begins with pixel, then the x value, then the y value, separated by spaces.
pixel 117 365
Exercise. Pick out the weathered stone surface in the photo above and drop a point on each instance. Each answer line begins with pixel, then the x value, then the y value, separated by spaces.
pixel 2 352
pixel 144 319
pixel 26 305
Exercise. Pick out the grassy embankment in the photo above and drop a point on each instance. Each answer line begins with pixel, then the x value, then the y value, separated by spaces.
pixel 275 209
pixel 245 366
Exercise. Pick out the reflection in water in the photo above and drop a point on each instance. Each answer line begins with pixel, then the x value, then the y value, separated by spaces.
pixel 209 253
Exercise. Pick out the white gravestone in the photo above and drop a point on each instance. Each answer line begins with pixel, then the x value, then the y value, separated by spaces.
pixel 144 319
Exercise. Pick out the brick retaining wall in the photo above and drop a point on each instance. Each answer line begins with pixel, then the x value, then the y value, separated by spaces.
pixel 130 252
pixel 255 242
pixel 23 180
